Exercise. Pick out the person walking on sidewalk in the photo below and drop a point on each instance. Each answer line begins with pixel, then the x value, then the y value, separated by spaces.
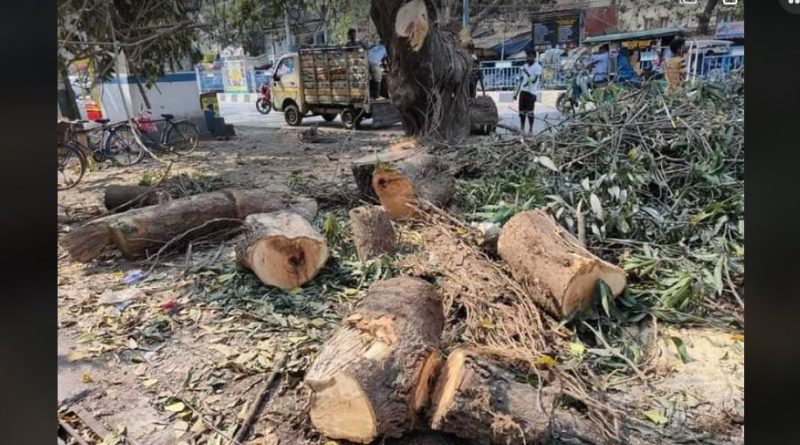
pixel 528 90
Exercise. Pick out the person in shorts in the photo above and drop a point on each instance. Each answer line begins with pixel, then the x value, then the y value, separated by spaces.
pixel 528 90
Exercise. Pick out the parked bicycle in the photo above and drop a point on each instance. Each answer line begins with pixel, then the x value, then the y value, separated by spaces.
pixel 175 136
pixel 72 165
pixel 114 142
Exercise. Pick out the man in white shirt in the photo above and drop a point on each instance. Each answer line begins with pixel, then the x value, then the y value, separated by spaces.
pixel 528 90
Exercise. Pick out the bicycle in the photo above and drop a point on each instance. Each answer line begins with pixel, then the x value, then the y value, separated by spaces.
pixel 72 165
pixel 114 143
pixel 176 136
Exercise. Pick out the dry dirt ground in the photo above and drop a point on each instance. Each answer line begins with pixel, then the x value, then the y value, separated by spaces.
pixel 177 356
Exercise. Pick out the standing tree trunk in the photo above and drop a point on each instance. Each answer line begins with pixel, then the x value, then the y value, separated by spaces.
pixel 374 374
pixel 71 110
pixel 428 70
pixel 704 18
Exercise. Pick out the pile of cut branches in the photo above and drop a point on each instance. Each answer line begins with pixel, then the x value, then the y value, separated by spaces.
pixel 654 182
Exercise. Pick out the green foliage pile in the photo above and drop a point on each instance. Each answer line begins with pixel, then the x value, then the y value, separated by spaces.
pixel 659 180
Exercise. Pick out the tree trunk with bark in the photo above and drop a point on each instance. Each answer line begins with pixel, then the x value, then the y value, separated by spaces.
pixel 704 18
pixel 428 70
pixel 373 234
pixel 282 248
pixel 539 250
pixel 71 111
pixel 119 198
pixel 477 400
pixel 374 374
pixel 138 231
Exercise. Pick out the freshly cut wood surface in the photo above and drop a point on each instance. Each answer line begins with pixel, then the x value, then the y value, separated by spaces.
pixel 539 250
pixel 282 248
pixel 477 400
pixel 399 183
pixel 375 373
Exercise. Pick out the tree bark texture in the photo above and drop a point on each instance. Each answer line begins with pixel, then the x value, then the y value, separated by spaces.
pixel 119 198
pixel 477 400
pixel 138 231
pixel 374 374
pixel 539 250
pixel 483 116
pixel 428 71
pixel 373 234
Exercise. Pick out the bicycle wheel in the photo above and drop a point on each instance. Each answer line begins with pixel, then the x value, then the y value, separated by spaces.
pixel 182 137
pixel 121 146
pixel 71 166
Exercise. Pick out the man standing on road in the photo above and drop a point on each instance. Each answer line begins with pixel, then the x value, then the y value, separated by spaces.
pixel 675 66
pixel 600 63
pixel 528 90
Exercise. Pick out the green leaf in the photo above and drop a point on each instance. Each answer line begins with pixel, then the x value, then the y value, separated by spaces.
pixel 681 347
pixel 655 417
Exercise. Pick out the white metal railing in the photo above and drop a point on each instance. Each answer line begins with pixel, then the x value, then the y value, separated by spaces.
pixel 505 75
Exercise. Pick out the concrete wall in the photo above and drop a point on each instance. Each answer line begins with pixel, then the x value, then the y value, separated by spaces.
pixel 174 93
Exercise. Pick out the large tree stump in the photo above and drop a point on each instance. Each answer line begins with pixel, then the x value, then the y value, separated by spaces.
pixel 374 374
pixel 476 400
pixel 483 116
pixel 136 231
pixel 538 249
pixel 282 249
pixel 372 232
pixel 119 198
pixel 428 71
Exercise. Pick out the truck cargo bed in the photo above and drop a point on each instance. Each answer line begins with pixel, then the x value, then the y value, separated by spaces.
pixel 334 75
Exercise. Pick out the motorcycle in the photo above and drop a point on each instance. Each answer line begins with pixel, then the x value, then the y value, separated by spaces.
pixel 264 101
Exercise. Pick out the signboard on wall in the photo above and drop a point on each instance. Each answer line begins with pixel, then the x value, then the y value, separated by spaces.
pixel 235 76
pixel 558 29
pixel 209 77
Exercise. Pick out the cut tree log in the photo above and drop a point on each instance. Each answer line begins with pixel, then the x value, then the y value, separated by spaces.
pixel 364 167
pixel 374 374
pixel 483 116
pixel 138 230
pixel 398 179
pixel 373 234
pixel 477 400
pixel 119 198
pixel 539 250
pixel 282 248
pixel 429 72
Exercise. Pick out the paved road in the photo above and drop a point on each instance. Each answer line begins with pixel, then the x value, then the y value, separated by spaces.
pixel 245 115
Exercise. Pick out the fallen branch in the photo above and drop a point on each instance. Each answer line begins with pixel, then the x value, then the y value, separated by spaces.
pixel 263 396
